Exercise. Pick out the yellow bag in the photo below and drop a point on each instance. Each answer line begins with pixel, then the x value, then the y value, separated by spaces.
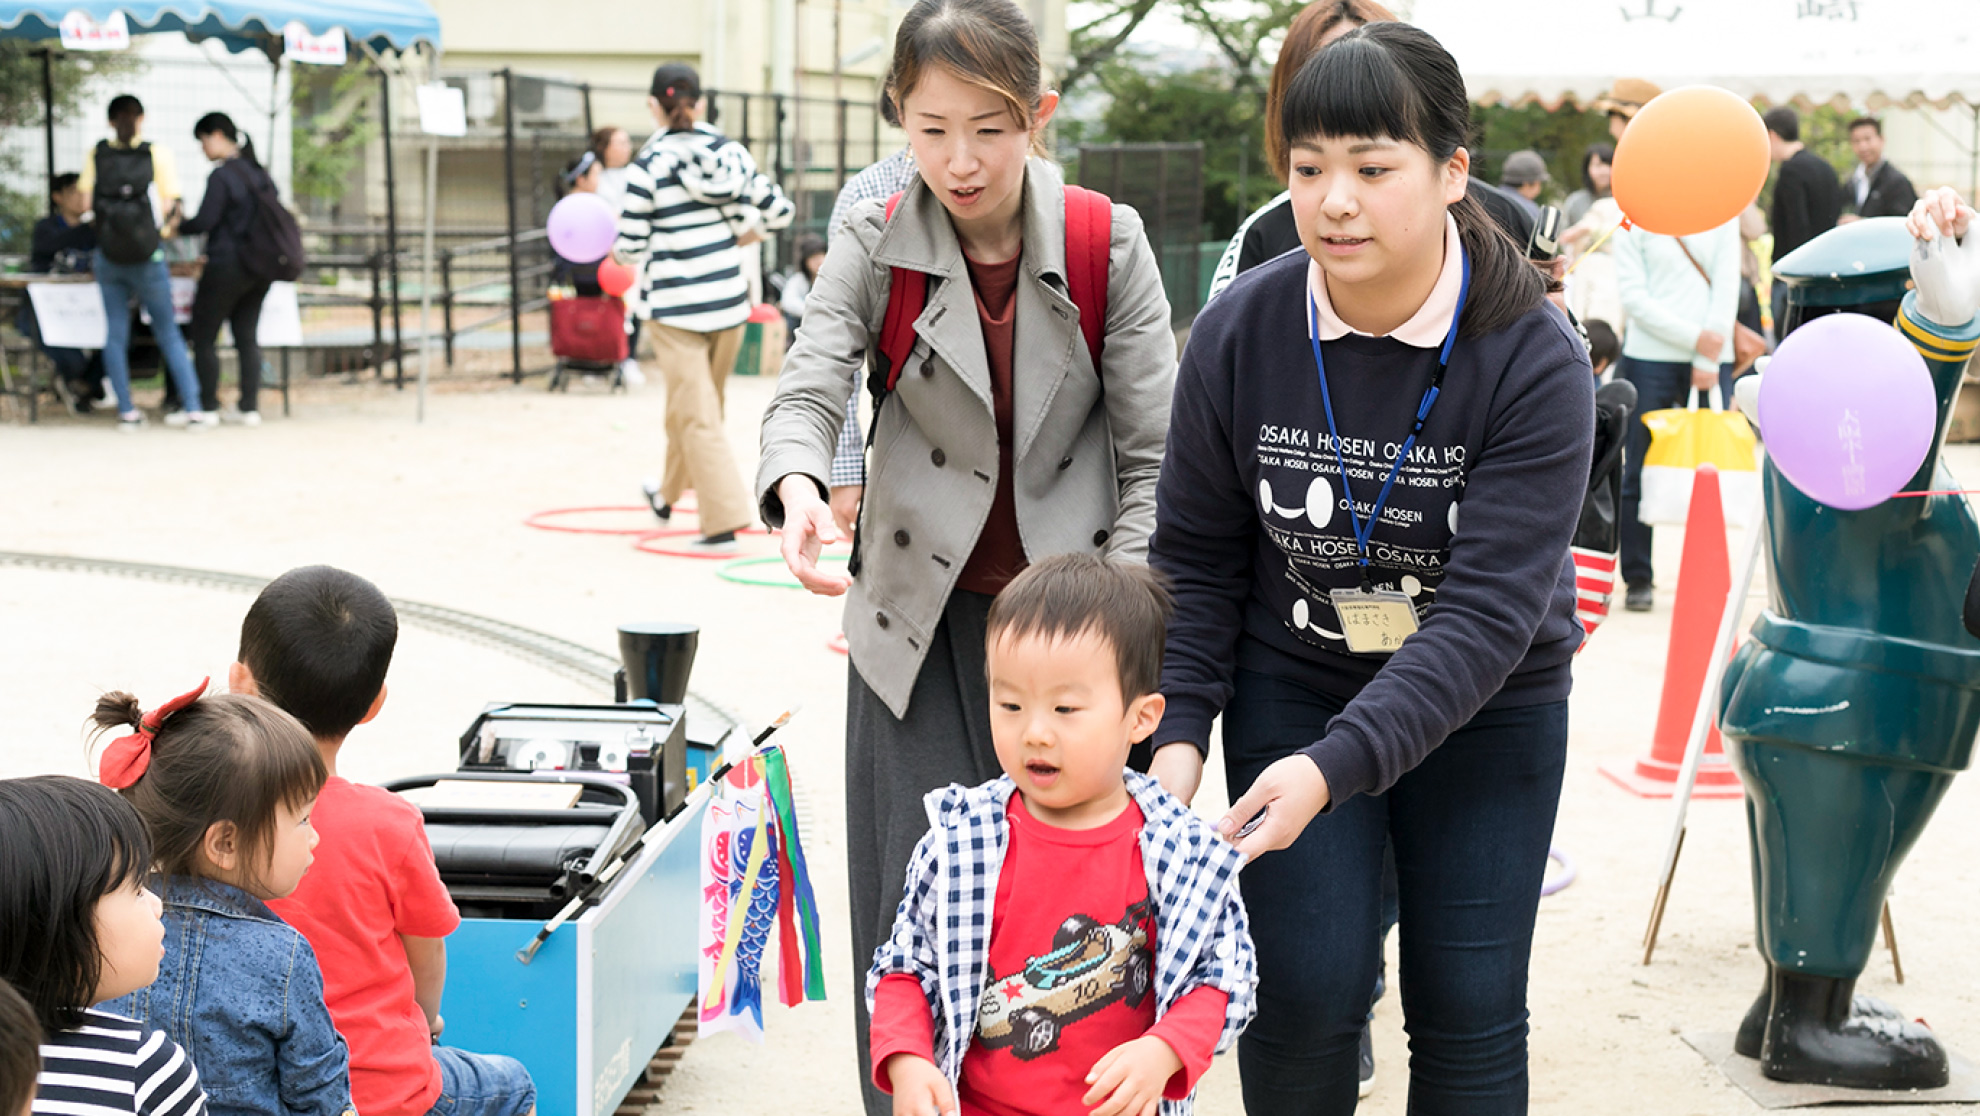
pixel 1682 439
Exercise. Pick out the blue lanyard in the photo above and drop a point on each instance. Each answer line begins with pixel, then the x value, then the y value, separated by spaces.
pixel 1364 532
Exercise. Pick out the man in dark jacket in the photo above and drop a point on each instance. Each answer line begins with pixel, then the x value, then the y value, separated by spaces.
pixel 62 244
pixel 1807 197
pixel 1875 188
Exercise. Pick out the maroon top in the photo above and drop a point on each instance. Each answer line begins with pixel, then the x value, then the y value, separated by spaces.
pixel 999 554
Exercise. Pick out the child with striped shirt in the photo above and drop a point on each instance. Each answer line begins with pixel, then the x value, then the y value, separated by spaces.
pixel 78 928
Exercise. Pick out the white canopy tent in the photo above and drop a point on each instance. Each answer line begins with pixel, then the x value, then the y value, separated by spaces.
pixel 1866 54
pixel 1869 53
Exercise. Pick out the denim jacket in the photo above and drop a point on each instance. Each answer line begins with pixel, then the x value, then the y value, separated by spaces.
pixel 241 992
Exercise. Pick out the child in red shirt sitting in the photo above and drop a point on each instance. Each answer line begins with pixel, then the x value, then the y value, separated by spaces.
pixel 1072 938
pixel 317 642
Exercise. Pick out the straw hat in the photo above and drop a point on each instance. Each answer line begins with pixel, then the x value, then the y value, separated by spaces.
pixel 1626 96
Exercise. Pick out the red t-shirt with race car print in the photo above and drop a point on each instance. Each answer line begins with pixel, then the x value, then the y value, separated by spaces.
pixel 1071 977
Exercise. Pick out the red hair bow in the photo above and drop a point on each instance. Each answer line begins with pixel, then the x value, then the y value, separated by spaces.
pixel 129 757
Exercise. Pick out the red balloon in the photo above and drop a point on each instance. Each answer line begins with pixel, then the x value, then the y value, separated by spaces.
pixel 614 278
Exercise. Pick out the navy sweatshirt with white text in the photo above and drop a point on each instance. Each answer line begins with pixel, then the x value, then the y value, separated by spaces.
pixel 1252 526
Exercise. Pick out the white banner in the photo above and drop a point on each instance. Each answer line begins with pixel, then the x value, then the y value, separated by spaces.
pixel 327 49
pixel 71 314
pixel 79 32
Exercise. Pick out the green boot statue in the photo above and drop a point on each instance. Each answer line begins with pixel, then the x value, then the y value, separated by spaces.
pixel 1856 699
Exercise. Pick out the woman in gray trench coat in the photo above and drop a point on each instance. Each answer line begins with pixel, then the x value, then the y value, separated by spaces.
pixel 998 446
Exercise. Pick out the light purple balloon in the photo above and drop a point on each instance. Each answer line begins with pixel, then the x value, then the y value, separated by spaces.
pixel 582 228
pixel 1848 410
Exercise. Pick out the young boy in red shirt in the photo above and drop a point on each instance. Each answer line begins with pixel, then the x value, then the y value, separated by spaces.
pixel 1072 939
pixel 317 642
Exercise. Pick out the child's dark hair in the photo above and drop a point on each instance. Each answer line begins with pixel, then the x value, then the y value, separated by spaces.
pixel 222 123
pixel 20 1052
pixel 1068 595
pixel 318 641
pixel 990 44
pixel 1603 346
pixel 56 187
pixel 227 758
pixel 64 844
pixel 1393 81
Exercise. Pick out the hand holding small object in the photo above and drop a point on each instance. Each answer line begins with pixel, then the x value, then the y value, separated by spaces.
pixel 1292 791
pixel 1945 270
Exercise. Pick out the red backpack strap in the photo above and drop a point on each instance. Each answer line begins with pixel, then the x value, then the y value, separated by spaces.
pixel 907 293
pixel 1089 241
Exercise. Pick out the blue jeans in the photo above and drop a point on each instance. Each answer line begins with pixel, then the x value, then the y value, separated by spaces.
pixel 481 1084
pixel 150 283
pixel 1470 827
pixel 1660 384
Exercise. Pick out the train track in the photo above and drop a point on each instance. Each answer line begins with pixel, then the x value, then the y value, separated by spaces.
pixel 552 653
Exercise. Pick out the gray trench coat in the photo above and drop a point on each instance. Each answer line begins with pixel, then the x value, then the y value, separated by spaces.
pixel 1086 459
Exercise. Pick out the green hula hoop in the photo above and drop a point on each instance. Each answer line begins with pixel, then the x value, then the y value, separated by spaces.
pixel 733 571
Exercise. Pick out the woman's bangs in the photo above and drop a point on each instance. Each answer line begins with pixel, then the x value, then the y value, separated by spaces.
pixel 1351 88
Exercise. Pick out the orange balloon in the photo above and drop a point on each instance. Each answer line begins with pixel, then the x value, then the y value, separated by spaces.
pixel 1693 159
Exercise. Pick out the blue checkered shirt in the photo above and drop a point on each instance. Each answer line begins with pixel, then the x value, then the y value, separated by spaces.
pixel 882 180
pixel 941 932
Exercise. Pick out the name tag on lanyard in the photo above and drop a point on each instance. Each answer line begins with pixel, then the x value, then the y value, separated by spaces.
pixel 1375 621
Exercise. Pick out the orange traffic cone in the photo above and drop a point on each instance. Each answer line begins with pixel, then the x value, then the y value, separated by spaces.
pixel 1704 579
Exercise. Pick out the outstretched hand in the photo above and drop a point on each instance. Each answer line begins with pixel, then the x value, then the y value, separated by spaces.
pixel 1945 271
pixel 808 527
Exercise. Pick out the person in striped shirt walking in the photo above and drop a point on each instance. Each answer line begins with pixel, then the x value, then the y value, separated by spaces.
pixel 694 200
pixel 78 928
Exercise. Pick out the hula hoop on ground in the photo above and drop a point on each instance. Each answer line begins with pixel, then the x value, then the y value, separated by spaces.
pixel 541 520
pixel 647 540
pixel 734 571
pixel 1558 883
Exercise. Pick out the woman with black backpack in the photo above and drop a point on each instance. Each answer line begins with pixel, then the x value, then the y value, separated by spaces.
pixel 231 286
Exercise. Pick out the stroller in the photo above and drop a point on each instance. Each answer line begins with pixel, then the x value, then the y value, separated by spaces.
pixel 588 338
pixel 1598 535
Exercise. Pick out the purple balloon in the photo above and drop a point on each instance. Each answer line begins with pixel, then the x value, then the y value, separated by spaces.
pixel 1848 410
pixel 582 228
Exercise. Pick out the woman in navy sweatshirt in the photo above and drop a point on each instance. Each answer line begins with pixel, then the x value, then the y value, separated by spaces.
pixel 1377 454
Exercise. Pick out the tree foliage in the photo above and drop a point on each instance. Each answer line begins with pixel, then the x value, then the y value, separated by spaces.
pixel 23 105
pixel 332 122
pixel 1561 137
pixel 1242 31
pixel 1149 107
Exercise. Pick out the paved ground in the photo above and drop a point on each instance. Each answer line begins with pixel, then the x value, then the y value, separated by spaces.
pixel 433 513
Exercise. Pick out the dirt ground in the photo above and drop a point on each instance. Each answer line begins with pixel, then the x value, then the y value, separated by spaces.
pixel 433 512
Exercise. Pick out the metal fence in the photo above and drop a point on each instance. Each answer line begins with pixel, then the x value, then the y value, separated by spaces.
pixel 1164 183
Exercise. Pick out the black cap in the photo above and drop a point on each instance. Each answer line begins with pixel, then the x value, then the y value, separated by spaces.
pixel 676 80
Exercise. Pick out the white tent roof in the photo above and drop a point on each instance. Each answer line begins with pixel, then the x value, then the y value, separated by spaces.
pixel 1871 53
